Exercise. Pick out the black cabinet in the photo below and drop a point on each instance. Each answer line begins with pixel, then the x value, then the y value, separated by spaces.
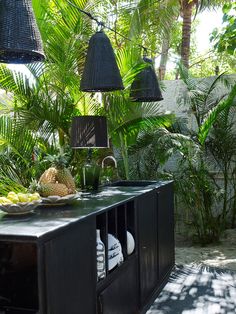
pixel 117 293
pixel 18 277
pixel 147 240
pixel 152 224
pixel 155 241
pixel 121 296
pixel 165 226
pixel 48 260
pixel 70 270
pixel 57 276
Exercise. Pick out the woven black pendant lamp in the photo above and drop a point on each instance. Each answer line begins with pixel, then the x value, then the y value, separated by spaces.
pixel 89 132
pixel 145 87
pixel 101 73
pixel 20 40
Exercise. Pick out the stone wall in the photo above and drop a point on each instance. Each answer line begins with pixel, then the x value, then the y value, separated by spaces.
pixel 173 91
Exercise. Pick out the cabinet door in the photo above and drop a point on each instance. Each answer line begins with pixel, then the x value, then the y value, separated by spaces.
pixel 70 266
pixel 166 245
pixel 121 296
pixel 147 232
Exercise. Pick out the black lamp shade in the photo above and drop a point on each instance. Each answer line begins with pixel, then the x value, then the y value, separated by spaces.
pixel 89 132
pixel 20 40
pixel 145 87
pixel 101 73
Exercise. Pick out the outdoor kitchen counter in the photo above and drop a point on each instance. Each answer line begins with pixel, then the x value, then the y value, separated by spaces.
pixel 50 219
pixel 49 259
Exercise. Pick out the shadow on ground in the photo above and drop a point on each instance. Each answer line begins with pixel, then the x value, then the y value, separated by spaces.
pixel 197 290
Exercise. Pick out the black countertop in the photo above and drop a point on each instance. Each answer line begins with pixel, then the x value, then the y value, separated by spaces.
pixel 45 220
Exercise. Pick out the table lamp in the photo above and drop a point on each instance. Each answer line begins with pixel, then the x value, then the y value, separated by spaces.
pixel 89 132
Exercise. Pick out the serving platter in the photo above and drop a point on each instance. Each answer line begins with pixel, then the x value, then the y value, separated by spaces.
pixel 56 200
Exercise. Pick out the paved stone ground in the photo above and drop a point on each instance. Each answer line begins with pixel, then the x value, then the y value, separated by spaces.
pixel 222 256
pixel 197 290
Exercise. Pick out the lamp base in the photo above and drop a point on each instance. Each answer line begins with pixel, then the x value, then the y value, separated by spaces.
pixel 89 177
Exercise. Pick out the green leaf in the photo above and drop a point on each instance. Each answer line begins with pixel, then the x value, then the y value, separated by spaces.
pixel 213 115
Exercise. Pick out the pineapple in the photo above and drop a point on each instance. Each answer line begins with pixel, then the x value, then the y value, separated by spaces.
pixel 64 176
pixel 49 176
pixel 58 173
pixel 49 189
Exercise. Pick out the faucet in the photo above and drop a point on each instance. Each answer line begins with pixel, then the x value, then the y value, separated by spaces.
pixel 109 157
pixel 109 176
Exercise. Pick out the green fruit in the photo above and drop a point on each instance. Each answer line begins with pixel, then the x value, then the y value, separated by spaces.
pixel 23 197
pixel 4 200
pixel 13 198
pixel 35 196
pixel 11 193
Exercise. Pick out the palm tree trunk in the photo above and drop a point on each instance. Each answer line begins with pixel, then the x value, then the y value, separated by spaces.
pixel 187 11
pixel 233 208
pixel 164 57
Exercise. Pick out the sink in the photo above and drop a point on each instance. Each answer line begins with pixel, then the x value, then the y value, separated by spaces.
pixel 132 183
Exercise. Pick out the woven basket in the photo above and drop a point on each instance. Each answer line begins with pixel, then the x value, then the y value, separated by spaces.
pixel 101 72
pixel 20 40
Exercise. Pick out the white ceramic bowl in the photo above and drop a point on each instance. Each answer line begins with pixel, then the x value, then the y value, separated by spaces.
pixel 20 208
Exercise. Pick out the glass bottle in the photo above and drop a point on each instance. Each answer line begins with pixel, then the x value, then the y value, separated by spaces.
pixel 89 177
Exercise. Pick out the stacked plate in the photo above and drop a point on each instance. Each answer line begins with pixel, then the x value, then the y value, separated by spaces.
pixel 115 255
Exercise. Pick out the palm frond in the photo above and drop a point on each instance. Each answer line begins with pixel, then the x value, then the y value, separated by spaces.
pixel 17 83
pixel 20 141
pixel 213 115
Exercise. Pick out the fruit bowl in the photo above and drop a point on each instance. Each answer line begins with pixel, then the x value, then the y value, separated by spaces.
pixel 56 200
pixel 20 208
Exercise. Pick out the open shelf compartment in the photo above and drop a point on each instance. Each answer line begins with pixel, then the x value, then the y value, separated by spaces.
pixel 114 224
pixel 18 278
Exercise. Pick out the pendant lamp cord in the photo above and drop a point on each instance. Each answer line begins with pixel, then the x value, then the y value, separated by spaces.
pixel 102 25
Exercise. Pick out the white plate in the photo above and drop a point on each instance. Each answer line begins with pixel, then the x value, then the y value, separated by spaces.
pixel 130 243
pixel 56 200
pixel 115 255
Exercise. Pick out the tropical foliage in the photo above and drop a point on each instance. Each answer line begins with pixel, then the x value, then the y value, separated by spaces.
pixel 41 101
pixel 225 38
pixel 200 158
pixel 45 102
